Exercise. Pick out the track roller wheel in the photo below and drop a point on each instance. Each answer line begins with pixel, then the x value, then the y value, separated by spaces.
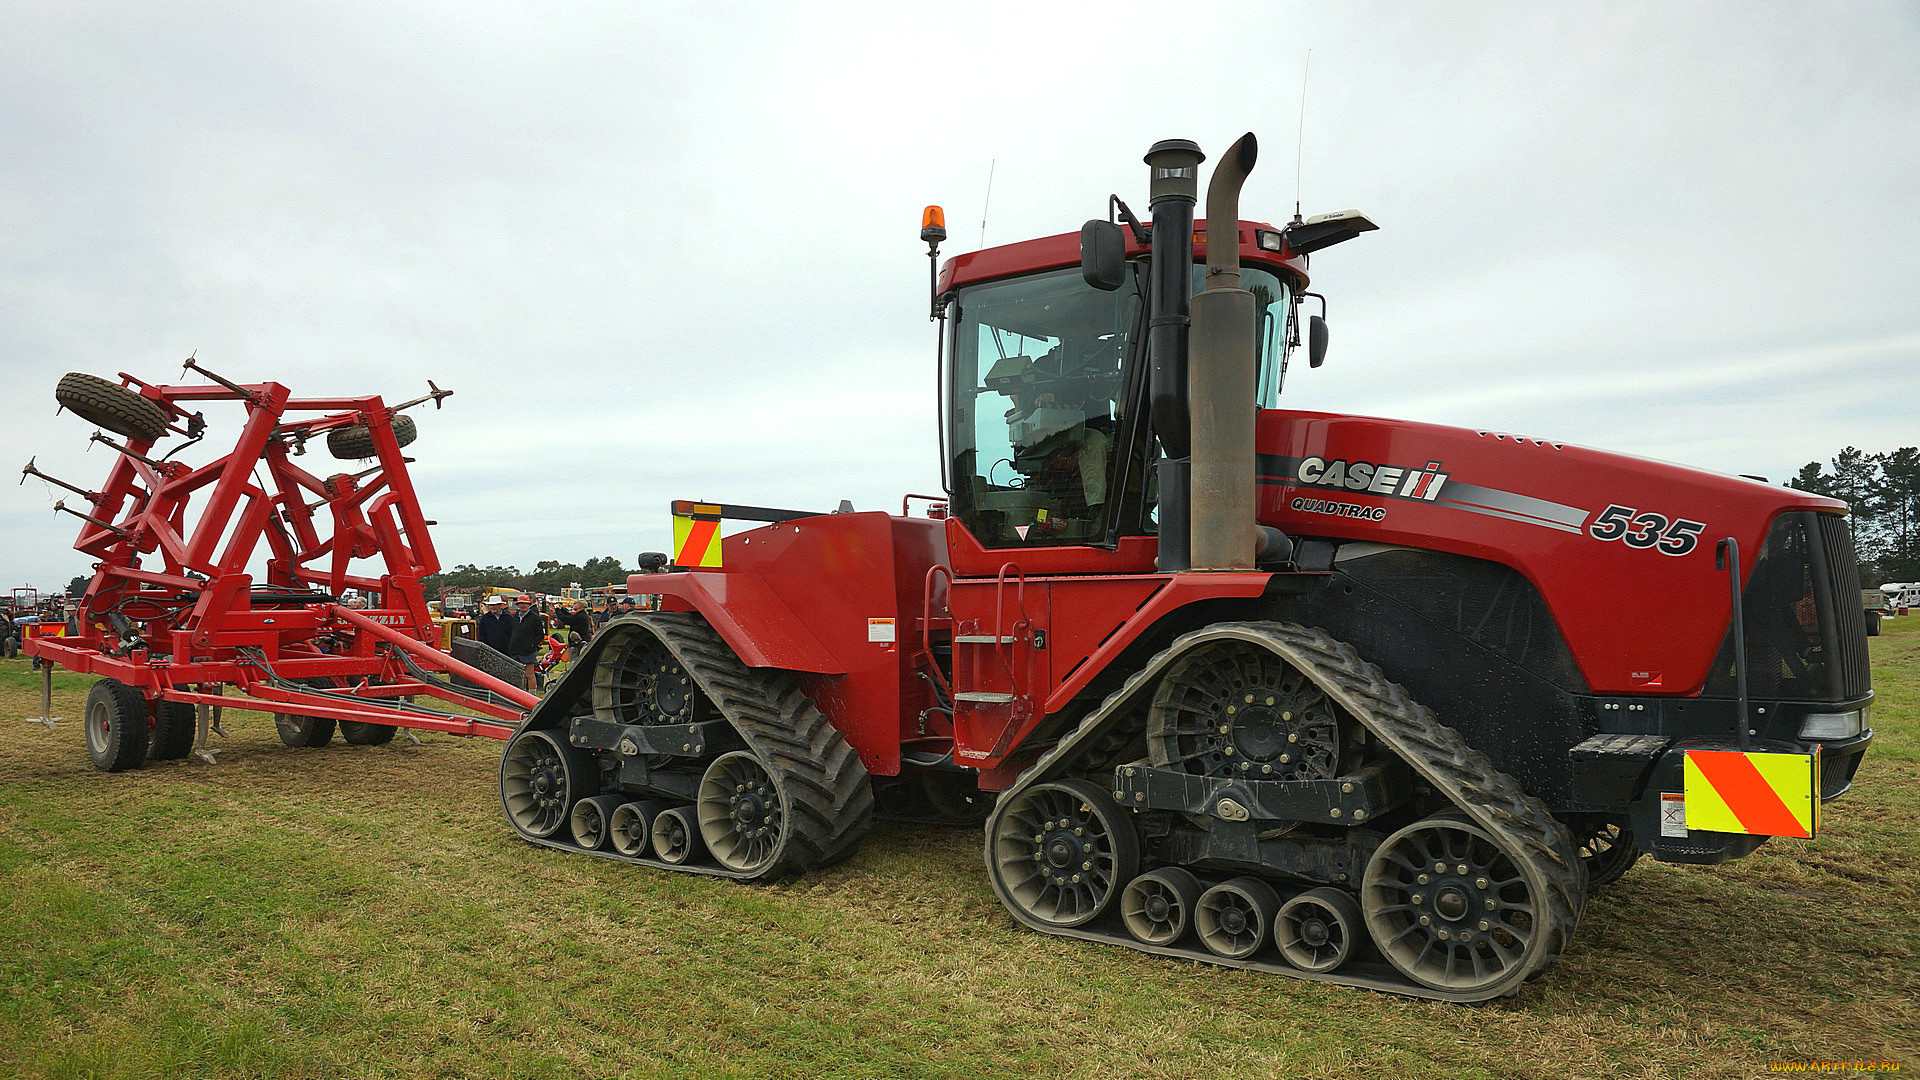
pixel 1450 909
pixel 119 726
pixel 1061 852
pixel 1316 930
pixel 541 775
pixel 366 733
pixel 109 405
pixel 631 826
pixel 1234 917
pixel 1606 847
pixel 742 817
pixel 676 836
pixel 172 731
pixel 1158 905
pixel 592 820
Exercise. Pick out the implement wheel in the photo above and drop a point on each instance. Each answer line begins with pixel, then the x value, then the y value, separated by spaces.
pixel 356 442
pixel 541 776
pixel 111 406
pixel 1060 853
pixel 366 733
pixel 119 726
pixel 172 731
pixel 1451 910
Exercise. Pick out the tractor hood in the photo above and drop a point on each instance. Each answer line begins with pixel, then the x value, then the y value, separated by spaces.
pixel 1621 548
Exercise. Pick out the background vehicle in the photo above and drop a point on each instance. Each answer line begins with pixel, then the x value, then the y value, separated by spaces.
pixel 1351 699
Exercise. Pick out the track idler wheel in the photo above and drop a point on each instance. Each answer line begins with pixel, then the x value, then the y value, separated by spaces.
pixel 1450 909
pixel 1235 918
pixel 1060 853
pixel 1317 930
pixel 631 826
pixel 541 776
pixel 742 813
pixel 592 820
pixel 676 836
pixel 1158 905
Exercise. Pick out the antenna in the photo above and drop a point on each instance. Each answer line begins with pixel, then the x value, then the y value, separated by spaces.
pixel 1301 142
pixel 988 201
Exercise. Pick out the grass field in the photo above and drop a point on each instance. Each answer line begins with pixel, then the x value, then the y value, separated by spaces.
pixel 365 911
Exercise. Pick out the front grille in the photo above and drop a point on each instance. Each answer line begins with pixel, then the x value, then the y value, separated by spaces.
pixel 1850 646
pixel 1804 641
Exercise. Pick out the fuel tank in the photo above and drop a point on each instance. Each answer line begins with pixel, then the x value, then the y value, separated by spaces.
pixel 1620 548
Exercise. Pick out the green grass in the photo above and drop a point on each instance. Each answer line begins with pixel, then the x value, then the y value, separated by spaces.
pixel 364 911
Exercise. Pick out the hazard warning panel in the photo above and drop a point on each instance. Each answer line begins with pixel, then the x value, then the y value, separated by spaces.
pixel 696 535
pixel 1758 794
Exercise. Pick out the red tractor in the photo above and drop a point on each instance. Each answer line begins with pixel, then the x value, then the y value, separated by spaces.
pixel 1349 699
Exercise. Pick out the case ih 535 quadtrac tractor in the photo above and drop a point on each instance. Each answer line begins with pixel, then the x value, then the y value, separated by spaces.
pixel 1350 699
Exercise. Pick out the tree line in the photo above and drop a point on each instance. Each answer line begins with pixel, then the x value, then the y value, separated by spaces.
pixel 547 576
pixel 1884 491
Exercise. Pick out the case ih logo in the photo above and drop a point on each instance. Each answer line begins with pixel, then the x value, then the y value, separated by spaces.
pixel 1391 481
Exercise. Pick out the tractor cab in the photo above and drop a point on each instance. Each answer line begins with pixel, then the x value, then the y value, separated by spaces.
pixel 1048 437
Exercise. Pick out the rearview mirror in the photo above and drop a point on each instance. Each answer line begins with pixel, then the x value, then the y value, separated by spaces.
pixel 1316 340
pixel 1103 255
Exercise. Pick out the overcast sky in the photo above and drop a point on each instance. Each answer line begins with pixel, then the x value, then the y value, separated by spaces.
pixel 670 250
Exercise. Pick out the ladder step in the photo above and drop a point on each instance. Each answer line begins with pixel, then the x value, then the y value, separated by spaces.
pixel 980 697
pixel 983 639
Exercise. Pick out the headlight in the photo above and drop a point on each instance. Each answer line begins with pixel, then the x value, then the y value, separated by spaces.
pixel 1834 725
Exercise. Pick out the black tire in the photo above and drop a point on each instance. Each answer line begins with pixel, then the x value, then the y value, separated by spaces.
pixel 356 443
pixel 173 731
pixel 306 732
pixel 118 726
pixel 366 733
pixel 1606 846
pixel 111 406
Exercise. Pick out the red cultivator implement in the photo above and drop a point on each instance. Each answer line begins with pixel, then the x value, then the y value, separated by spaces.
pixel 184 601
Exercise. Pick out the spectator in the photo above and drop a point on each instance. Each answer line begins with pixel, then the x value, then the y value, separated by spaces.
pixel 496 626
pixel 529 633
pixel 575 622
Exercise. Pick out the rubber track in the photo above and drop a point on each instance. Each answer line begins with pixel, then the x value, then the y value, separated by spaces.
pixel 1493 800
pixel 825 792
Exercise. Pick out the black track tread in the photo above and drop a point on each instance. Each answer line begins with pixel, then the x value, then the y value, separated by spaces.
pixel 826 793
pixel 107 404
pixel 173 732
pixel 355 443
pixel 125 749
pixel 1490 798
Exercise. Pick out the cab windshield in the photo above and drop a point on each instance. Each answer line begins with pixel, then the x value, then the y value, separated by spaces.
pixel 1044 372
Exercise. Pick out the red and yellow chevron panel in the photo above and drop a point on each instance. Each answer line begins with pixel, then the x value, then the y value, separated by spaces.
pixel 696 535
pixel 1758 794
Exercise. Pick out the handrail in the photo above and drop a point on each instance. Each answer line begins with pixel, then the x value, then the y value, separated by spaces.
pixel 1026 621
pixel 926 625
pixel 932 501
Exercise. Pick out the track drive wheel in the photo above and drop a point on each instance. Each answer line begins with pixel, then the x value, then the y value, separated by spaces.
pixel 1060 853
pixel 111 406
pixel 1158 905
pixel 1606 846
pixel 541 776
pixel 119 726
pixel 1452 910
pixel 172 731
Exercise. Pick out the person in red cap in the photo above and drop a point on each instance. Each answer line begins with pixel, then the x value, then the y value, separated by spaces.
pixel 529 633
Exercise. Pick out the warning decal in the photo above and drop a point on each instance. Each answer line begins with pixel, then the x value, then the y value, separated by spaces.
pixel 880 630
pixel 696 536
pixel 1757 794
pixel 1673 814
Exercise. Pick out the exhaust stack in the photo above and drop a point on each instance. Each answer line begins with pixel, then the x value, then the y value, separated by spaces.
pixel 1220 383
pixel 1175 185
